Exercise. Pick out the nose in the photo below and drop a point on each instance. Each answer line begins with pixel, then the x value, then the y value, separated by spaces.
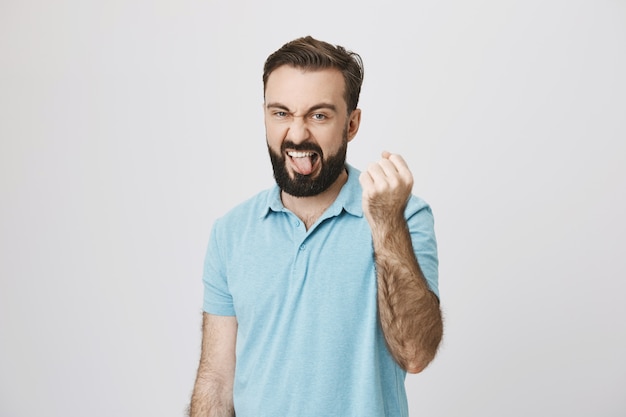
pixel 298 130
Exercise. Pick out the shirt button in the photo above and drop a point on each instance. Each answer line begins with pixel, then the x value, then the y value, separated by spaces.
pixel 302 247
pixel 297 223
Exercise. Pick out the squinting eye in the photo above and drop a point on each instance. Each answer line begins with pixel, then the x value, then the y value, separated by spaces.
pixel 280 114
pixel 319 116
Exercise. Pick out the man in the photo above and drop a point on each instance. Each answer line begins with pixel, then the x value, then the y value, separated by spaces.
pixel 321 292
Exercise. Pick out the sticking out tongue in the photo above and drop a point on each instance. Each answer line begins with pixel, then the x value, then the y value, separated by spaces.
pixel 303 165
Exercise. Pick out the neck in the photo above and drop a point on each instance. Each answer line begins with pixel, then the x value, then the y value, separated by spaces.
pixel 309 209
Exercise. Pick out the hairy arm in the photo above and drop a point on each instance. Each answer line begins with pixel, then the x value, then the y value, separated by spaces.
pixel 409 312
pixel 213 390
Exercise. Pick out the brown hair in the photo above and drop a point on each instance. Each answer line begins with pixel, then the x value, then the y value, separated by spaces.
pixel 312 54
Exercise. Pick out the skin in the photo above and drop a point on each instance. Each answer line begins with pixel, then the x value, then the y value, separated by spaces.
pixel 308 107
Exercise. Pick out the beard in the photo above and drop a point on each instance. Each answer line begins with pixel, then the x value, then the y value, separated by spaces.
pixel 307 185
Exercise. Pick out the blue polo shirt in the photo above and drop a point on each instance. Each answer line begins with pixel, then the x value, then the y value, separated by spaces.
pixel 309 343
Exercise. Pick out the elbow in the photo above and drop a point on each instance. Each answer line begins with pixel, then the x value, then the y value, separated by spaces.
pixel 415 367
pixel 418 361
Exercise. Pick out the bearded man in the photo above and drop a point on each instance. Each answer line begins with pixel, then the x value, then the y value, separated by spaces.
pixel 320 293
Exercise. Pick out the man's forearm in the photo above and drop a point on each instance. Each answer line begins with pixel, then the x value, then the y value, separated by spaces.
pixel 211 398
pixel 409 312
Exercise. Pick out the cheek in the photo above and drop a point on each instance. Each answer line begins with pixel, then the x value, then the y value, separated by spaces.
pixel 331 140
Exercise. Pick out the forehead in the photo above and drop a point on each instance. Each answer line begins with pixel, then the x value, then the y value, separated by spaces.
pixel 297 87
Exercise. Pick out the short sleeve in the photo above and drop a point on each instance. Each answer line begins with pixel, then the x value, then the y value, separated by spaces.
pixel 217 297
pixel 422 228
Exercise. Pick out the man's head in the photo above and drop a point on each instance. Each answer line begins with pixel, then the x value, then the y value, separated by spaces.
pixel 311 90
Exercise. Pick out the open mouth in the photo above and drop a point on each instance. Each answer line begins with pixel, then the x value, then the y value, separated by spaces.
pixel 304 162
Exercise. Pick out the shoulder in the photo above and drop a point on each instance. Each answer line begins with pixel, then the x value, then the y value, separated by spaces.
pixel 230 229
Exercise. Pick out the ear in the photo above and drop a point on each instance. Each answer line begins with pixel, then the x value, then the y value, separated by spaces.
pixel 353 123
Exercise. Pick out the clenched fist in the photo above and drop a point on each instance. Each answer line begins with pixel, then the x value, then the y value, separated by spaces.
pixel 387 186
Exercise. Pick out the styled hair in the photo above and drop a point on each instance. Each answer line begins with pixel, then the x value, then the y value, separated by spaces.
pixel 311 54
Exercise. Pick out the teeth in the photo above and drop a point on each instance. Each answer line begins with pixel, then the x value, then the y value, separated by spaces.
pixel 295 154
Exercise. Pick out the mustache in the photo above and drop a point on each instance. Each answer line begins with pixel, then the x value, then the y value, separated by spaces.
pixel 301 147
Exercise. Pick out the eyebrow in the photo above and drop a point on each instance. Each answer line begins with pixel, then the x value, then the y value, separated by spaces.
pixel 319 106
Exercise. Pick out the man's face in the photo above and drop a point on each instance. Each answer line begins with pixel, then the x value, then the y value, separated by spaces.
pixel 307 128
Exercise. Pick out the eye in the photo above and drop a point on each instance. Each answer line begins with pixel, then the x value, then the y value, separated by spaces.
pixel 318 116
pixel 280 114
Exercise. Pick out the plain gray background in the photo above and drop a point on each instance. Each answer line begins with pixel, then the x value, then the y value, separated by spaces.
pixel 128 126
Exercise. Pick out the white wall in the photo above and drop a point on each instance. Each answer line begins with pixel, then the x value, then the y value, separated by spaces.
pixel 126 127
